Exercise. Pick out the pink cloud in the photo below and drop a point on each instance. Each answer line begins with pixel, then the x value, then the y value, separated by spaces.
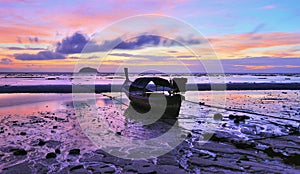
pixel 268 7
pixel 236 43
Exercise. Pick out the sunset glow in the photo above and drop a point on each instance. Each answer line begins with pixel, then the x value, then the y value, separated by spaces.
pixel 35 34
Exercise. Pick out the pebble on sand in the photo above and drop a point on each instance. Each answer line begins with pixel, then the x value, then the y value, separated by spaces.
pixel 76 167
pixel 74 152
pixel 218 116
pixel 57 151
pixel 19 152
pixel 51 155
pixel 41 142
pixel 23 133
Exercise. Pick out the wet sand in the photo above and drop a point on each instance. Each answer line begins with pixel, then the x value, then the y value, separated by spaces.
pixel 53 141
pixel 117 88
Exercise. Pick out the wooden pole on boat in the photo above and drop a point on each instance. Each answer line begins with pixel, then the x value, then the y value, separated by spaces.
pixel 126 74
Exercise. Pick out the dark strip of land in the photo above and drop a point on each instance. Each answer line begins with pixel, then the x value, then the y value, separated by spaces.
pixel 117 88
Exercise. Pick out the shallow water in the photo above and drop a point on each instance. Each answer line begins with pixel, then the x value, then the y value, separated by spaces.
pixel 19 79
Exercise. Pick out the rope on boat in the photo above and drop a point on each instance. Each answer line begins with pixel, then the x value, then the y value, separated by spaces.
pixel 115 98
pixel 224 108
pixel 243 111
pixel 212 106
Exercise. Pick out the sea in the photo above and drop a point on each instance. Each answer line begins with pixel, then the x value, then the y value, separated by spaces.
pixel 35 78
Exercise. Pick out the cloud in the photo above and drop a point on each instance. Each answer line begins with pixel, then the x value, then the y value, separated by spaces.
pixel 264 60
pixel 72 44
pixel 19 40
pixel 33 39
pixel 79 41
pixel 268 7
pixel 257 28
pixel 185 56
pixel 43 55
pixel 232 44
pixel 262 64
pixel 139 42
pixel 5 61
pixel 122 54
pixel 142 57
pixel 14 33
pixel 258 67
pixel 154 40
pixel 22 48
pixel 292 66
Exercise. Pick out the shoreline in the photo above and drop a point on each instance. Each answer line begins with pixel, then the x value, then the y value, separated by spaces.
pixel 117 88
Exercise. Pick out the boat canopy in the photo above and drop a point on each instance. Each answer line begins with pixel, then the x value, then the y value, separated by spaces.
pixel 141 83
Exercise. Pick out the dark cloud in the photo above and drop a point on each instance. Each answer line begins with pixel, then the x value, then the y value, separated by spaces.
pixel 143 40
pixel 139 42
pixel 5 61
pixel 257 28
pixel 72 44
pixel 78 41
pixel 19 39
pixel 189 41
pixel 122 54
pixel 134 43
pixel 33 39
pixel 187 56
pixel 21 48
pixel 153 40
pixel 139 56
pixel 43 55
pixel 107 45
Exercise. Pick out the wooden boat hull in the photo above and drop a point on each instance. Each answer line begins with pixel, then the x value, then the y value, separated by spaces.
pixel 170 105
pixel 163 96
pixel 157 101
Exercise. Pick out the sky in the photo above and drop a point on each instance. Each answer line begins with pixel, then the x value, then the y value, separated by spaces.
pixel 244 36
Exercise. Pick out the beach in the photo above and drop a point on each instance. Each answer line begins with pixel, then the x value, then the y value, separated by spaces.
pixel 256 131
pixel 149 87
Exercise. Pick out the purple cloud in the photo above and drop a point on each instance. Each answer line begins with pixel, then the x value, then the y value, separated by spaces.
pixel 77 42
pixel 21 48
pixel 154 40
pixel 33 39
pixel 139 56
pixel 185 56
pixel 5 61
pixel 72 44
pixel 43 55
pixel 143 40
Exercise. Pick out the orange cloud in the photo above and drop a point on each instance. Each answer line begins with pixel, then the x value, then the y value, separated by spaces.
pixel 292 66
pixel 257 67
pixel 20 33
pixel 238 44
pixel 283 53
pixel 263 67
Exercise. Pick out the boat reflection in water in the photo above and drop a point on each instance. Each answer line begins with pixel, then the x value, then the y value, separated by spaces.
pixel 148 125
